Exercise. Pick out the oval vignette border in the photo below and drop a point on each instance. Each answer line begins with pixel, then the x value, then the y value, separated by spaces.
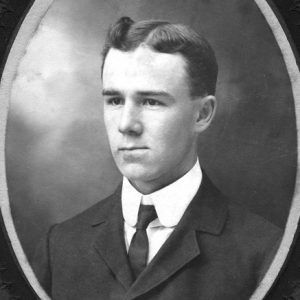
pixel 11 275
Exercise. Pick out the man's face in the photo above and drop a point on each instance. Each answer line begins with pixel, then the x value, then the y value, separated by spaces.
pixel 149 115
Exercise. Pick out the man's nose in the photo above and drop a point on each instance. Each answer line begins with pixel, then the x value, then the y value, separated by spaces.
pixel 129 122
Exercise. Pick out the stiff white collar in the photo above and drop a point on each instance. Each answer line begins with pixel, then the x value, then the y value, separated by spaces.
pixel 170 202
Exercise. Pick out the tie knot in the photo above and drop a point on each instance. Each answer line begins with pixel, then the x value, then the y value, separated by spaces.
pixel 147 214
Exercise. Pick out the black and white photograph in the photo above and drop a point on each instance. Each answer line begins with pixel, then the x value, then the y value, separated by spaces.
pixel 149 150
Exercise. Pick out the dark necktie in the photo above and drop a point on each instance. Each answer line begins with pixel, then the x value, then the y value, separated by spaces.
pixel 139 246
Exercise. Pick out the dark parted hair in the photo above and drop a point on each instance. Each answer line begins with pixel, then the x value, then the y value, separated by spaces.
pixel 161 36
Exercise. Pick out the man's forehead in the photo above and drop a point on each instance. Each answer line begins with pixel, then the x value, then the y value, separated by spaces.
pixel 143 61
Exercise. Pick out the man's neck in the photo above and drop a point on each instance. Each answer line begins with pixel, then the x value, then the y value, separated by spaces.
pixel 152 186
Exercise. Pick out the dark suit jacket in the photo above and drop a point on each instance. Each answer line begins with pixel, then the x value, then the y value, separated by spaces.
pixel 217 251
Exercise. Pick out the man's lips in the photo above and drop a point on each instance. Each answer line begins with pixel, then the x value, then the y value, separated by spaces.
pixel 132 153
pixel 132 148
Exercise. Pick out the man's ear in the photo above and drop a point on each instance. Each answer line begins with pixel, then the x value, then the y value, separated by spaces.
pixel 206 109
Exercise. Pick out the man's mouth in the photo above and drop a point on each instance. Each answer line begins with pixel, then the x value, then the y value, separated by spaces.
pixel 132 153
pixel 132 148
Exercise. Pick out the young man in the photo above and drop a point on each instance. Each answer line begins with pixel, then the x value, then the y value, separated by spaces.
pixel 167 232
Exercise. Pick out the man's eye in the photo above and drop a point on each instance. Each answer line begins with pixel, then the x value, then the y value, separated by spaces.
pixel 151 102
pixel 115 101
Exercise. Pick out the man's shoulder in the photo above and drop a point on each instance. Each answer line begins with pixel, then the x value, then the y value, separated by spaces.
pixel 251 229
pixel 246 218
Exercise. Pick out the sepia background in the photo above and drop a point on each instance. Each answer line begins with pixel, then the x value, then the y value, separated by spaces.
pixel 57 156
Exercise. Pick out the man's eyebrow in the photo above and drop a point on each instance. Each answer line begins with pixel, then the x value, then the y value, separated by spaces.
pixel 154 93
pixel 110 92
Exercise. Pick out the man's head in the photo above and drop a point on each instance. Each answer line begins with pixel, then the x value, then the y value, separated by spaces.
pixel 156 101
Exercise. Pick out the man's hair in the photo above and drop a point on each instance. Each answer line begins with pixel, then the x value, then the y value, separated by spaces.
pixel 161 36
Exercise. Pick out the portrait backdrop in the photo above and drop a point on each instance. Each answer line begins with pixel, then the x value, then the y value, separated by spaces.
pixel 57 156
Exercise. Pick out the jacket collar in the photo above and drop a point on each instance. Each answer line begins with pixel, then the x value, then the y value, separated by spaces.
pixel 113 202
pixel 208 210
pixel 109 239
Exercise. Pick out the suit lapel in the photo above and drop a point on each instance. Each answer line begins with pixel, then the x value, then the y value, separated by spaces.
pixel 109 242
pixel 207 213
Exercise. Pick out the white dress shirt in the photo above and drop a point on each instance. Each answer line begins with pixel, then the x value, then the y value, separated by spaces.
pixel 170 204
